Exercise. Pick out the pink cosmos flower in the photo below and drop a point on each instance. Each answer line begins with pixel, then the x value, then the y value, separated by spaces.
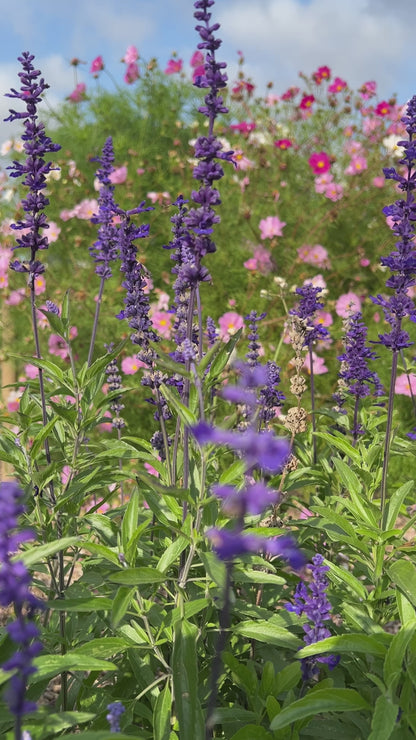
pixel 150 469
pixel 131 55
pixel 318 364
pixel 322 182
pixel 334 191
pixel 198 72
pixel 197 59
pixel 353 147
pixel 158 197
pixel 368 90
pixel 318 282
pixel 58 347
pixel 406 385
pixel 271 226
pixel 79 94
pixel 306 102
pixel 119 175
pixel 242 162
pixel 132 73
pixel 40 284
pixel 229 323
pixel 319 163
pixel 4 280
pixel 364 262
pixel 244 127
pixel 260 261
pixel 16 297
pixel 65 474
pixel 162 323
pixel 347 304
pixel 250 264
pixel 271 99
pixel 163 300
pixel 283 143
pixel 337 86
pixel 378 181
pixel 106 426
pixel 53 232
pixel 130 365
pixel 323 317
pixel 97 65
pixel 314 255
pixel 31 371
pixel 383 108
pixel 173 66
pixel 358 164
pixel 85 209
pixel 322 73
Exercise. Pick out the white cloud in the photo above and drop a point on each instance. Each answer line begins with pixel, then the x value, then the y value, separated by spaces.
pixel 358 39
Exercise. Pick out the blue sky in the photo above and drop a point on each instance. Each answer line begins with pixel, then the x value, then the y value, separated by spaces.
pixel 359 40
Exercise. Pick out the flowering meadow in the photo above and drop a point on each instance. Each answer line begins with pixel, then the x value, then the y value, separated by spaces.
pixel 208 396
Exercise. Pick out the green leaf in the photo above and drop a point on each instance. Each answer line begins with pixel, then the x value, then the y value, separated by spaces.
pixel 172 553
pixel 48 666
pixel 337 574
pixel 185 682
pixel 288 678
pixel 317 702
pixel 393 664
pixel 99 735
pixel 384 719
pixel 37 554
pixel 89 604
pixel 405 607
pixel 102 551
pixel 347 475
pixel 185 414
pixel 102 647
pixel 41 436
pixel 264 631
pixel 403 574
pixel 249 575
pixel 249 732
pixel 395 501
pixel 121 604
pixel 137 576
pixel 162 714
pixel 54 723
pixel 350 643
pixel 340 443
pixel 129 523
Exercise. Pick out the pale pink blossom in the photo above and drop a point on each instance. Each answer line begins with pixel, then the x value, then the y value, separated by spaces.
pixel 106 426
pixel 378 181
pixel 150 469
pixel 314 255
pixel 353 147
pixel 159 197
pixel 334 191
pixel 229 323
pixel 270 227
pixel 250 264
pixel 406 385
pixel 318 364
pixel 364 262
pixel 260 261
pixel 163 300
pixel 66 214
pixel 4 280
pixel 131 55
pixel 31 371
pixel 16 297
pixel 242 162
pixel 162 323
pixel 86 209
pixel 79 93
pixel 323 317
pixel 119 175
pixel 318 281
pixel 322 182
pixel 66 474
pixel 39 284
pixel 357 165
pixel 13 400
pixel 347 304
pixel 53 232
pixel 130 365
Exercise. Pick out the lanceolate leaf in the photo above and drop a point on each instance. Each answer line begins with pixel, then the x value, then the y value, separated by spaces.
pixel 319 702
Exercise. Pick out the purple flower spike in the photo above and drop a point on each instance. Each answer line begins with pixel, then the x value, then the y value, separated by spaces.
pixel 312 601
pixel 35 169
pixel 14 589
pixel 105 249
pixel 115 710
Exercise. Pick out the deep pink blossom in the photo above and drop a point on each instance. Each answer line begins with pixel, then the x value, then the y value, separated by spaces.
pixel 79 93
pixel 197 59
pixel 322 73
pixel 132 73
pixel 174 66
pixel 337 86
pixel 319 163
pixel 283 143
pixel 306 102
pixel 383 108
pixel 97 65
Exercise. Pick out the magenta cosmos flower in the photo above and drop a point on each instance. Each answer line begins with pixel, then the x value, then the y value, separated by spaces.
pixel 173 66
pixel 97 65
pixel 271 226
pixel 337 86
pixel 319 163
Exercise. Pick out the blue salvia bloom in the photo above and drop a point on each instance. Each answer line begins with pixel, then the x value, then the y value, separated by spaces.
pixel 306 309
pixel 402 260
pixel 201 218
pixel 34 169
pixel 312 601
pixel 105 250
pixel 15 583
pixel 115 710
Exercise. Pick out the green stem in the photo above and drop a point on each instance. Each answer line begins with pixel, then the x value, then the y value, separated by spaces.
pixel 387 440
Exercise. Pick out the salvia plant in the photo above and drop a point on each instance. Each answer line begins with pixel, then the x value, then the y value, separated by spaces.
pixel 207 419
